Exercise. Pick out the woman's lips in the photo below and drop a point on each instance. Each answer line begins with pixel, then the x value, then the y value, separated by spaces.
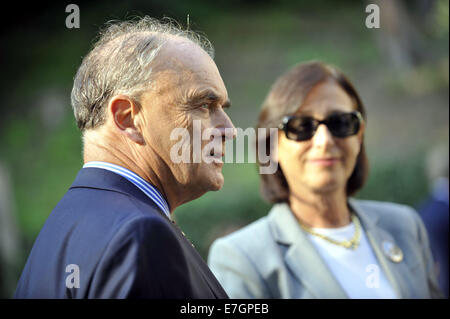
pixel 325 161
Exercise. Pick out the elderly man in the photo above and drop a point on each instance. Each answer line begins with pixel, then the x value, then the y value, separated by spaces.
pixel 111 235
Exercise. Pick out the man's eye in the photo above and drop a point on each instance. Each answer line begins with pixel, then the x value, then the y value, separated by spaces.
pixel 205 106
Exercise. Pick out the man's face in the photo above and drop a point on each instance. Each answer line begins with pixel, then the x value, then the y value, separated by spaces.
pixel 188 88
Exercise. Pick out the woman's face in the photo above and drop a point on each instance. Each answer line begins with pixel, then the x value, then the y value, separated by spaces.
pixel 324 163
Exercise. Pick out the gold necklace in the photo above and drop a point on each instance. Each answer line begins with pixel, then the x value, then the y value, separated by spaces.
pixel 350 244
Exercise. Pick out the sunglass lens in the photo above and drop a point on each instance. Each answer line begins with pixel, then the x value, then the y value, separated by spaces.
pixel 300 128
pixel 343 125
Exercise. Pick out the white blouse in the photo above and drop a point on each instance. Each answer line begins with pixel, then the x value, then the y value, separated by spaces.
pixel 357 271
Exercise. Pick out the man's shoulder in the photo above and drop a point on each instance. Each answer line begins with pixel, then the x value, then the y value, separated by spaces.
pixel 97 215
pixel 100 204
pixel 88 220
pixel 93 231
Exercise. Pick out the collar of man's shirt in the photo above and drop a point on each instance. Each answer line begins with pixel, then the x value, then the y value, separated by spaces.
pixel 138 181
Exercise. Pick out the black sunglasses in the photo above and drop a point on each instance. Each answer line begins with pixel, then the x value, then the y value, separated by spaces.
pixel 302 128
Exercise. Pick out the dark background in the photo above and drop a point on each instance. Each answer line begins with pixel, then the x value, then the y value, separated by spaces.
pixel 401 71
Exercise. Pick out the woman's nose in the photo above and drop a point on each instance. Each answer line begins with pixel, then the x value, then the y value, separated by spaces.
pixel 323 136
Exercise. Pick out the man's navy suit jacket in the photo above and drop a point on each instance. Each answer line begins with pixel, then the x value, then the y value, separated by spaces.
pixel 122 243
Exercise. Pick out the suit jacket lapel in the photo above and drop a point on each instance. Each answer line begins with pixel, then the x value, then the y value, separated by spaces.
pixel 395 272
pixel 301 257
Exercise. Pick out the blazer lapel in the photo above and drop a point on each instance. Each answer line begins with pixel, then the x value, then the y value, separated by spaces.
pixel 395 272
pixel 301 257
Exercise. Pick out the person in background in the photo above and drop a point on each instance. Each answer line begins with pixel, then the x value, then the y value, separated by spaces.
pixel 317 241
pixel 435 211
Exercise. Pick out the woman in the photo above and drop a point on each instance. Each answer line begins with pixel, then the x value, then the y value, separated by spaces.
pixel 318 242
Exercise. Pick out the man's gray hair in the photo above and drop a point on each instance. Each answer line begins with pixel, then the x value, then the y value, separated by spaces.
pixel 121 63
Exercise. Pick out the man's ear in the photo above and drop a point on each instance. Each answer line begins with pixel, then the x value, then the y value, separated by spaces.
pixel 124 112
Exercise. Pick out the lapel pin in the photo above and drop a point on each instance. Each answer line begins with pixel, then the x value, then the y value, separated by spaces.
pixel 392 251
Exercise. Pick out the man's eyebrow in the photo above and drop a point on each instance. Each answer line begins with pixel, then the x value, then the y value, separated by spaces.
pixel 206 95
pixel 227 104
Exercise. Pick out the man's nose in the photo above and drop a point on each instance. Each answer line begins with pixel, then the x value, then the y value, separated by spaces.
pixel 323 136
pixel 225 126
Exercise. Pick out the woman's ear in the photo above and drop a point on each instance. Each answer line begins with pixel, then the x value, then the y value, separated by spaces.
pixel 362 129
pixel 124 113
pixel 278 140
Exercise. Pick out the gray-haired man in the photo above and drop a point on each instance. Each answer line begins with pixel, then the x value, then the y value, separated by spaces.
pixel 111 235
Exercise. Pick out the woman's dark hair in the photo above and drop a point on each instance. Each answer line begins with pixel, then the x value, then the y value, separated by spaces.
pixel 285 98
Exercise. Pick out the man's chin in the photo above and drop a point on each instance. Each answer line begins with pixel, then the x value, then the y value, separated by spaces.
pixel 216 181
pixel 208 178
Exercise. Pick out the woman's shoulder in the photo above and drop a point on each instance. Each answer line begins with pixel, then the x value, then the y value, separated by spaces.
pixel 256 229
pixel 252 238
pixel 383 206
pixel 388 212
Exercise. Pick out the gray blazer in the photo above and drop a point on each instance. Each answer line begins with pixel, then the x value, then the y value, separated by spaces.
pixel 273 257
